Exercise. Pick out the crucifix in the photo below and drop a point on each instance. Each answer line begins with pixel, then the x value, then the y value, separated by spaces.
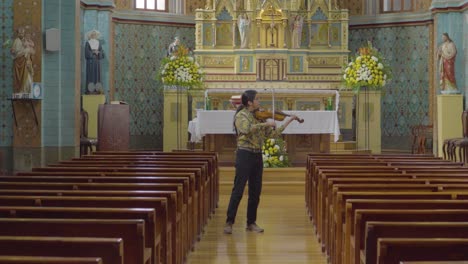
pixel 272 27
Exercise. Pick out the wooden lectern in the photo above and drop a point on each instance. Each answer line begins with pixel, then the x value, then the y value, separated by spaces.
pixel 113 127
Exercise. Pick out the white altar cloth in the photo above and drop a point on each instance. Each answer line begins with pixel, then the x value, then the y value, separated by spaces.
pixel 221 122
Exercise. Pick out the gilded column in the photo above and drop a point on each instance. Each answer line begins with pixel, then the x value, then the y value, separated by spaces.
pixel 285 38
pixel 234 22
pixel 258 33
pixel 213 28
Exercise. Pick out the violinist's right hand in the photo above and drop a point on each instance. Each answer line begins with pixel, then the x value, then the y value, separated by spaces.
pixel 270 123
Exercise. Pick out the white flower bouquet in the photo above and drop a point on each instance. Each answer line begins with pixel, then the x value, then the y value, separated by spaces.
pixel 274 153
pixel 367 69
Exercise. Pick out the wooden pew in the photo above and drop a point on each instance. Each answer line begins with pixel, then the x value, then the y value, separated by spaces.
pixel 188 192
pixel 168 191
pixel 336 213
pixel 175 221
pixel 360 204
pixel 423 250
pixel 377 188
pixel 152 223
pixel 202 218
pixel 158 204
pixel 51 260
pixel 376 230
pixel 187 165
pixel 361 217
pixel 312 181
pixel 131 231
pixel 109 250
pixel 210 157
pixel 340 164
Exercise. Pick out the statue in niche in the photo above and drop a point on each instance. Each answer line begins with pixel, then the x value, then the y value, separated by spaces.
pixel 297 31
pixel 240 5
pixel 245 64
pixel 173 47
pixel 243 23
pixel 22 51
pixel 296 64
pixel 446 54
pixel 93 54
pixel 208 5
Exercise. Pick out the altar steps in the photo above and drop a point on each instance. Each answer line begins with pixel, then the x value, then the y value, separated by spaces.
pixel 343 147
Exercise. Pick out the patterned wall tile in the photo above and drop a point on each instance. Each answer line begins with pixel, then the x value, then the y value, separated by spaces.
pixel 138 50
pixel 6 77
pixel 405 100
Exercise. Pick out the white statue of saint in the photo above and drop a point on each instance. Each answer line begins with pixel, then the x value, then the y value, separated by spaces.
pixel 297 31
pixel 243 23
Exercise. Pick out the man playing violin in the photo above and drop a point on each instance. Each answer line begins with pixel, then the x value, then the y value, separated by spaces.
pixel 251 133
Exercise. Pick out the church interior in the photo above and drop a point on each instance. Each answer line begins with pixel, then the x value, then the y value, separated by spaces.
pixel 85 93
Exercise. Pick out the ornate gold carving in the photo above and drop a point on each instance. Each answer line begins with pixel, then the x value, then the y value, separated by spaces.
pixel 332 78
pixel 230 77
pixel 324 62
pixel 336 16
pixel 216 61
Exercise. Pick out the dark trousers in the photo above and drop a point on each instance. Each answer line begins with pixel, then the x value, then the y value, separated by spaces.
pixel 249 167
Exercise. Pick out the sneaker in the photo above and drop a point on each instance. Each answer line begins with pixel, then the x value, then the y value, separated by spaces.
pixel 255 228
pixel 228 228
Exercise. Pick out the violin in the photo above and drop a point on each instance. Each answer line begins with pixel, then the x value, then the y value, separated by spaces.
pixel 279 115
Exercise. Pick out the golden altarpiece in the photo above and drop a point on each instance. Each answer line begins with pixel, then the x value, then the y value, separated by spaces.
pixel 282 45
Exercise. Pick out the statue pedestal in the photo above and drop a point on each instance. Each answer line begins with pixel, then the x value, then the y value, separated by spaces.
pixel 368 121
pixel 91 103
pixel 175 118
pixel 449 124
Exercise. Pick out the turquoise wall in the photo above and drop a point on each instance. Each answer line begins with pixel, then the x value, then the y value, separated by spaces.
pixel 405 100
pixel 6 77
pixel 58 105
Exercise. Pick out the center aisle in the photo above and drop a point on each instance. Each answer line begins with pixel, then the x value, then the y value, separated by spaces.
pixel 288 238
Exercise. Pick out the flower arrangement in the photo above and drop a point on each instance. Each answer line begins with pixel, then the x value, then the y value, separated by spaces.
pixel 368 69
pixel 181 69
pixel 274 153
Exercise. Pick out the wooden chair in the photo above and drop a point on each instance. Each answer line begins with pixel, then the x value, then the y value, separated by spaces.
pixel 86 143
pixel 450 145
pixel 422 139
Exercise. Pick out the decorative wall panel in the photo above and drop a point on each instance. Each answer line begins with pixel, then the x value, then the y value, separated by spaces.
pixel 6 77
pixel 191 5
pixel 139 49
pixel 405 100
pixel 27 14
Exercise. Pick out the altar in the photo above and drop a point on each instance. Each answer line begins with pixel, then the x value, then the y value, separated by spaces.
pixel 291 52
pixel 215 130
